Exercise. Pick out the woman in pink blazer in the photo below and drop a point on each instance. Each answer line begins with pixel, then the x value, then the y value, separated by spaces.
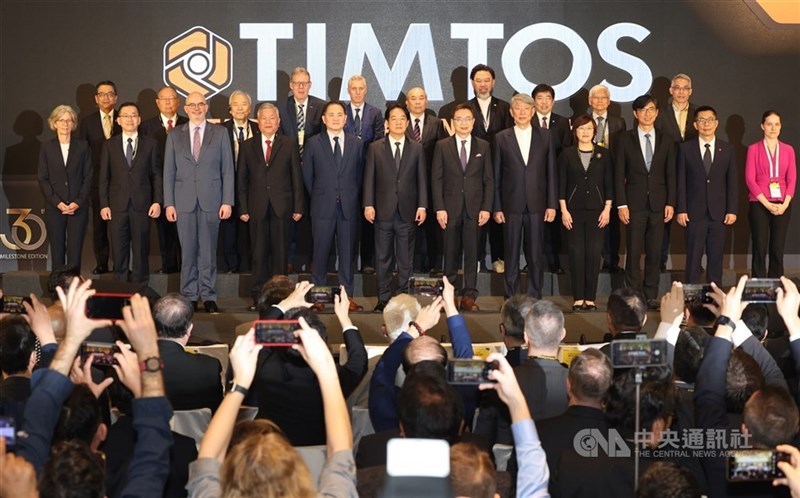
pixel 771 174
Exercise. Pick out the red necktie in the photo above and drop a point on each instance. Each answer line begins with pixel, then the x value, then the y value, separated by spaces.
pixel 169 124
pixel 269 152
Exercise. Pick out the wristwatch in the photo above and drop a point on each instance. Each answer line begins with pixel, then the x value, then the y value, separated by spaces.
pixel 236 388
pixel 724 320
pixel 151 364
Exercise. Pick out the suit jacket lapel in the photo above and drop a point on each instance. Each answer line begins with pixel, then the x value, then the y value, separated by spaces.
pixel 638 148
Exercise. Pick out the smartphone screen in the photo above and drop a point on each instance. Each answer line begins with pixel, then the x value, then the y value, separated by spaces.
pixel 103 353
pixel 761 290
pixel 755 465
pixel 322 294
pixel 638 353
pixel 469 372
pixel 697 294
pixel 8 431
pixel 107 306
pixel 276 333
pixel 425 286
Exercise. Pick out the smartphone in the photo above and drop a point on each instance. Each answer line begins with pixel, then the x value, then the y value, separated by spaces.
pixel 418 457
pixel 469 372
pixel 103 353
pixel 761 290
pixel 8 431
pixel 322 294
pixel 13 304
pixel 697 294
pixel 755 465
pixel 629 353
pixel 107 306
pixel 425 286
pixel 276 333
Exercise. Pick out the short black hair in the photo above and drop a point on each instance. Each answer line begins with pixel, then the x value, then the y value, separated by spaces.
pixel 80 417
pixel 73 471
pixel 310 317
pixel 657 395
pixel 771 416
pixel 61 277
pixel 173 314
pixel 106 83
pixel 665 479
pixel 642 100
pixel 333 102
pixel 481 67
pixel 17 342
pixel 704 108
pixel 743 377
pixel 513 314
pixel 274 290
pixel 701 315
pixel 429 407
pixel 464 106
pixel 756 317
pixel 627 309
pixel 393 106
pixel 543 88
pixel 689 353
pixel 130 104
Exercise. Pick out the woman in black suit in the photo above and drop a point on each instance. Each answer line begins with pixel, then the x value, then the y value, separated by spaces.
pixel 65 175
pixel 586 183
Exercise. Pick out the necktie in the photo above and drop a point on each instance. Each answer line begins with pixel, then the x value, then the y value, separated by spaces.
pixel 707 158
pixel 648 151
pixel 269 152
pixel 301 126
pixel 337 152
pixel 107 126
pixel 397 155
pixel 129 152
pixel 463 155
pixel 417 133
pixel 544 123
pixel 599 136
pixel 241 134
pixel 357 123
pixel 196 144
pixel 169 124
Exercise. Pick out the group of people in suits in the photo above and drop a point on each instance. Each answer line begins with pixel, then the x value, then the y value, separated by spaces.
pixel 510 172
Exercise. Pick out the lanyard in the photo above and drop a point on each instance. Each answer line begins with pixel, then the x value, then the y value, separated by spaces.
pixel 774 161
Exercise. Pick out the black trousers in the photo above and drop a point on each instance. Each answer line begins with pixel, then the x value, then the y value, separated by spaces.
pixel 168 243
pixel 768 233
pixel 461 237
pixel 66 234
pixel 585 245
pixel 394 238
pixel 270 237
pixel 611 239
pixel 100 244
pixel 130 229
pixel 645 234
pixel 530 228
pixel 704 236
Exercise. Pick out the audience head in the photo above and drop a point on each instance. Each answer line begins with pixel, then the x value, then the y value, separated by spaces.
pixel 81 418
pixel 74 470
pixel 62 277
pixel 421 349
pixel 17 346
pixel 626 311
pixel 265 465
pixel 512 319
pixel 310 317
pixel 756 317
pixel 246 428
pixel 173 315
pixel 399 311
pixel 665 479
pixel 742 378
pixel 657 402
pixel 771 417
pixel 698 315
pixel 429 407
pixel 472 472
pixel 589 378
pixel 544 327
pixel 689 353
pixel 274 290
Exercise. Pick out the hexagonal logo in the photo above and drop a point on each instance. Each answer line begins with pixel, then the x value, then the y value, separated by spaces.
pixel 198 60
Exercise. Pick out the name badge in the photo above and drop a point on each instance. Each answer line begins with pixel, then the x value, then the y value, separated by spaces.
pixel 775 190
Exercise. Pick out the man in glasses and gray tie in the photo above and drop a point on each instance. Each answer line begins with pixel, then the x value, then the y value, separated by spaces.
pixel 645 192
pixel 198 193
pixel 131 194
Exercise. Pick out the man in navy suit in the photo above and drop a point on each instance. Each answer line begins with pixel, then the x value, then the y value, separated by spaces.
pixel 157 128
pixel 395 200
pixel 462 181
pixel 198 192
pixel 365 122
pixel 131 193
pixel 332 170
pixel 644 175
pixel 707 195
pixel 96 128
pixel 525 193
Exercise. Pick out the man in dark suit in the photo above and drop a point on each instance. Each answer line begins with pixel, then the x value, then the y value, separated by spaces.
pixel 157 127
pixel 234 236
pixel 524 193
pixel 645 190
pixel 492 115
pixel 131 193
pixel 462 180
pixel 395 199
pixel 675 123
pixel 191 381
pixel 301 119
pixel 198 192
pixel 365 121
pixel 270 186
pixel 96 128
pixel 561 134
pixel 707 195
pixel 332 170
pixel 606 132
pixel 424 127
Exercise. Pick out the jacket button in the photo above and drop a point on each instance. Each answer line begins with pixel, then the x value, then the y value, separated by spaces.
pixel 708 181
pixel 66 183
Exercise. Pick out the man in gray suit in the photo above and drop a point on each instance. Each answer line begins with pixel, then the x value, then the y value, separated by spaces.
pixel 198 193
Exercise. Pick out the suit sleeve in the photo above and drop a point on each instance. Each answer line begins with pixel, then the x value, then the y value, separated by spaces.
pixel 732 184
pixel 228 184
pixel 680 207
pixel 552 176
pixel 563 168
pixel 169 171
pixel 352 372
pixel 772 373
pixel 608 176
pixel 308 165
pixel 378 126
pixel 242 180
pixel 44 178
pixel 86 180
pixel 105 175
pixel 298 195
pixel 488 180
pixel 156 174
pixel 619 170
pixel 369 175
pixel 437 178
pixel 497 164
pixel 382 392
pixel 670 172
pixel 422 181
pixel 459 336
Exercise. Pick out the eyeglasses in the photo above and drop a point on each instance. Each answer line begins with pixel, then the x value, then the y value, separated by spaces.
pixel 198 105
pixel 647 110
pixel 104 95
pixel 705 120
pixel 681 88
pixel 65 121
pixel 128 116
pixel 463 119
pixel 301 84
pixel 167 99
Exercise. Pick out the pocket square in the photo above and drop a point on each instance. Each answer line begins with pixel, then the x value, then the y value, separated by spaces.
pixel 479 155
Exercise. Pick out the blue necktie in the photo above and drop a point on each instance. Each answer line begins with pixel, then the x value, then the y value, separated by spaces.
pixel 648 151
pixel 129 152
